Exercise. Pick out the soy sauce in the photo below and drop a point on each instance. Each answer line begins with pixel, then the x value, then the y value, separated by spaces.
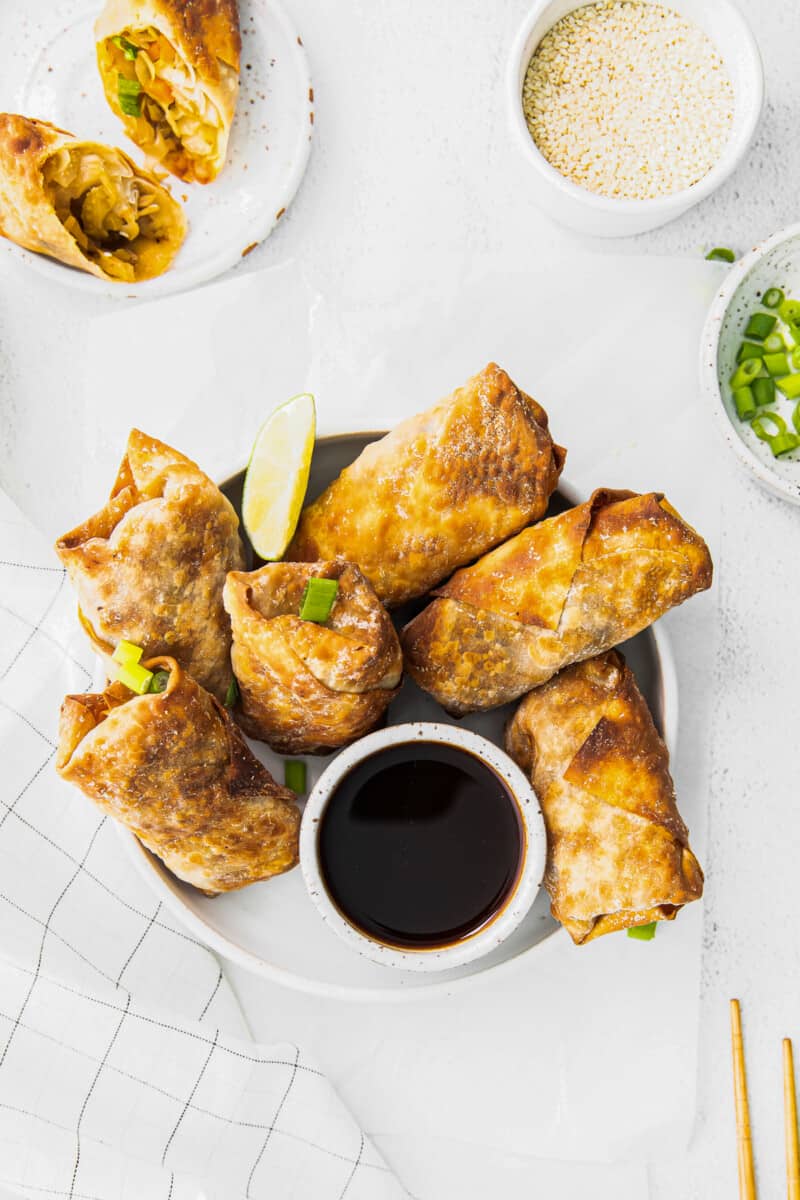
pixel 420 845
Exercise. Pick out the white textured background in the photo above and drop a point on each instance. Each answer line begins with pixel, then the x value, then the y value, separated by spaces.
pixel 413 158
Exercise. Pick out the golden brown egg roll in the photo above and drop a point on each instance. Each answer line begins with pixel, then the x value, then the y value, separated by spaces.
pixel 617 850
pixel 175 769
pixel 439 490
pixel 150 566
pixel 307 688
pixel 170 71
pixel 85 204
pixel 559 592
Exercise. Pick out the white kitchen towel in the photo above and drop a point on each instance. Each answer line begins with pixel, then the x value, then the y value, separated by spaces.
pixel 126 1070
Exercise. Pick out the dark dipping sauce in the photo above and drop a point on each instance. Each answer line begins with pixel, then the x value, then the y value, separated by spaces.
pixel 420 845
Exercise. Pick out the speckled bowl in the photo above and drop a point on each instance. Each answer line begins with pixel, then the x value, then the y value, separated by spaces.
pixel 517 903
pixel 775 263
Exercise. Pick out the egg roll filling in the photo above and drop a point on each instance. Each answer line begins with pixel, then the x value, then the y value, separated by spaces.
pixel 109 212
pixel 176 120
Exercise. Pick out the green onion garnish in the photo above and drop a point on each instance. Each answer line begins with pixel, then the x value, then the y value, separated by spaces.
pixel 644 933
pixel 789 385
pixel 789 311
pixel 777 364
pixel 745 373
pixel 127 652
pixel 128 49
pixel 745 403
pixel 760 430
pixel 796 417
pixel 794 358
pixel 721 254
pixel 760 326
pixel 232 694
pixel 774 343
pixel 159 682
pixel 784 443
pixel 773 298
pixel 318 598
pixel 136 677
pixel 294 775
pixel 763 391
pixel 749 350
pixel 128 94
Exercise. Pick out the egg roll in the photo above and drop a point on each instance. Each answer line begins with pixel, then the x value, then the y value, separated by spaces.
pixel 173 767
pixel 308 687
pixel 617 850
pixel 150 566
pixel 170 72
pixel 437 491
pixel 560 591
pixel 85 204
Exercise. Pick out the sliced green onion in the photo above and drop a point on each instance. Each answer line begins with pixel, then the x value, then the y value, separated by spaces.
pixel 749 350
pixel 745 403
pixel 128 49
pixel 763 390
pixel 318 599
pixel 644 933
pixel 777 364
pixel 721 254
pixel 760 326
pixel 159 682
pixel 127 652
pixel 760 430
pixel 794 358
pixel 232 694
pixel 796 417
pixel 128 94
pixel 789 311
pixel 136 677
pixel 774 343
pixel 745 373
pixel 784 443
pixel 790 386
pixel 294 775
pixel 772 298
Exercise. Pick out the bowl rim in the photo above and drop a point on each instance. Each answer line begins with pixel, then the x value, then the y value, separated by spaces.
pixel 709 371
pixel 726 164
pixel 521 896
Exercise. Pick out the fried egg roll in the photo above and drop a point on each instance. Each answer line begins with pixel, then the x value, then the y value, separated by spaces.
pixel 170 71
pixel 150 566
pixel 307 687
pixel 617 850
pixel 440 489
pixel 560 591
pixel 85 204
pixel 174 768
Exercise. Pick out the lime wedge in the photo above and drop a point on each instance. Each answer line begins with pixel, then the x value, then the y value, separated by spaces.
pixel 277 476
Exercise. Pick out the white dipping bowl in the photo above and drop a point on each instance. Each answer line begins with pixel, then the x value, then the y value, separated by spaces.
pixel 516 904
pixel 603 216
pixel 775 263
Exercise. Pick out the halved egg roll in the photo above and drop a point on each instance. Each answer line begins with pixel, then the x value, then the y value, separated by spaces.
pixel 307 687
pixel 85 204
pixel 149 567
pixel 559 592
pixel 440 489
pixel 617 850
pixel 175 769
pixel 170 71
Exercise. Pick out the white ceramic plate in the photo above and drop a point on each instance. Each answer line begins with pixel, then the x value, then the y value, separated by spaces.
pixel 267 153
pixel 273 929
pixel 774 263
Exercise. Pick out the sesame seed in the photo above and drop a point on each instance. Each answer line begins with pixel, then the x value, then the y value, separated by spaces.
pixel 628 99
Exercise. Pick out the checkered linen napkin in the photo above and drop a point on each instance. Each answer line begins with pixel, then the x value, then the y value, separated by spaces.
pixel 126 1071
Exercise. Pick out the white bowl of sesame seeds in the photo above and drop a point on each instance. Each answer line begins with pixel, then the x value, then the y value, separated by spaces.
pixel 632 111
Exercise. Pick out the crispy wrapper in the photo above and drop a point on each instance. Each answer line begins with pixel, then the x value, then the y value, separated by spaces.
pixel 150 566
pixel 437 491
pixel 304 687
pixel 83 203
pixel 184 54
pixel 175 769
pixel 618 851
pixel 559 592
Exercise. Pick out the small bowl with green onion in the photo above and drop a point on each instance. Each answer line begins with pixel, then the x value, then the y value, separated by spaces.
pixel 750 362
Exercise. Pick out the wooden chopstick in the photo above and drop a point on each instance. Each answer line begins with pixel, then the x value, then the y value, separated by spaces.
pixel 744 1141
pixel 790 1124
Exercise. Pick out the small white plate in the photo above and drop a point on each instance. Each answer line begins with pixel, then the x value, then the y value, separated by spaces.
pixel 267 154
pixel 774 263
pixel 273 929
